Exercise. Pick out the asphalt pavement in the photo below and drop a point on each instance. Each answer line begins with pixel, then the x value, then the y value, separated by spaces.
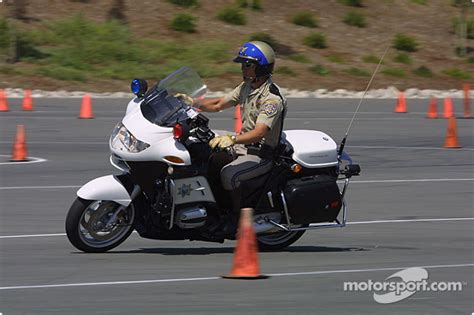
pixel 412 206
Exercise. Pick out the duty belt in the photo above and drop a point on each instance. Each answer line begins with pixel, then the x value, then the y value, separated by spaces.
pixel 261 150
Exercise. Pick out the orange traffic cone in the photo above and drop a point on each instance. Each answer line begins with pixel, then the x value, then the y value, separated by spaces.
pixel 448 108
pixel 246 264
pixel 27 101
pixel 86 108
pixel 452 134
pixel 3 102
pixel 467 102
pixel 238 120
pixel 432 109
pixel 19 153
pixel 401 106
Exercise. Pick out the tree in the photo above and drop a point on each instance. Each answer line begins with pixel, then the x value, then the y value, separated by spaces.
pixel 19 9
pixel 117 11
pixel 463 6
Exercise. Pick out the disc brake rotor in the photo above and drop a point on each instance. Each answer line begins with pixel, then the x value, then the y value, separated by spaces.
pixel 96 219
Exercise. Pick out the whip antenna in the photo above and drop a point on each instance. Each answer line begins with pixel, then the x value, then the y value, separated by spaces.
pixel 343 142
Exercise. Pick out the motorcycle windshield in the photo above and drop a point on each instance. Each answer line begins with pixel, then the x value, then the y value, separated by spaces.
pixel 185 81
pixel 160 105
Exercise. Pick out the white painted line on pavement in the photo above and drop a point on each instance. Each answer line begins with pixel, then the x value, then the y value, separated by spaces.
pixel 32 235
pixel 347 118
pixel 296 111
pixel 382 181
pixel 106 283
pixel 58 142
pixel 74 112
pixel 59 118
pixel 376 181
pixel 410 220
pixel 38 187
pixel 306 122
pixel 213 118
pixel 31 160
pixel 364 270
pixel 407 148
pixel 348 223
pixel 289 274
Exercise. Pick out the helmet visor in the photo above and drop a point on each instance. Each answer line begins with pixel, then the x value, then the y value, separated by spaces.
pixel 245 59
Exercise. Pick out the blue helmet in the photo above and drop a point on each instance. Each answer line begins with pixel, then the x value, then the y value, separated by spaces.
pixel 259 53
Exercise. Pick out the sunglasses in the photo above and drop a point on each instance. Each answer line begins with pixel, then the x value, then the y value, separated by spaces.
pixel 247 65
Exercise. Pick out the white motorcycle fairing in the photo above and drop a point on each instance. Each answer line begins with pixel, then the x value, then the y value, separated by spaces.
pixel 160 139
pixel 187 190
pixel 105 188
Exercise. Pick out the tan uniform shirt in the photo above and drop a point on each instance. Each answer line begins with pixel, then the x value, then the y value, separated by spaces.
pixel 259 106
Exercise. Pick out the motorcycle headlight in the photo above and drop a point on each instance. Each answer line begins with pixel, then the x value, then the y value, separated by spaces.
pixel 121 137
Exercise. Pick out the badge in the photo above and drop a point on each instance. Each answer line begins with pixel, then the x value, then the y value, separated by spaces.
pixel 185 190
pixel 269 109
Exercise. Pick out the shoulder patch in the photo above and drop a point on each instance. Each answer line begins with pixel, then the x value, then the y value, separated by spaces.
pixel 269 109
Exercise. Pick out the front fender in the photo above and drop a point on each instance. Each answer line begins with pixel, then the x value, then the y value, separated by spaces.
pixel 107 188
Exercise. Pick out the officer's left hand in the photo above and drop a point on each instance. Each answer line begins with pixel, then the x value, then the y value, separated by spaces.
pixel 222 142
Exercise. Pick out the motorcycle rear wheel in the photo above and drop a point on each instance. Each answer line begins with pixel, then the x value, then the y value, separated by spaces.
pixel 278 241
pixel 88 227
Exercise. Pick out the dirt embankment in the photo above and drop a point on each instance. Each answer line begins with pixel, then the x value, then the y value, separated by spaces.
pixel 347 62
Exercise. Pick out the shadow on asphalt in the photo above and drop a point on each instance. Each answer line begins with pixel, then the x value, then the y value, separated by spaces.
pixel 230 250
pixel 316 249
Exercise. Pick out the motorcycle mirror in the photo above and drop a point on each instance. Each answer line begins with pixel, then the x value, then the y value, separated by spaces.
pixel 139 87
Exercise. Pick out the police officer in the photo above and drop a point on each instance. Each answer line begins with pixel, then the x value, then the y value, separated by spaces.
pixel 263 108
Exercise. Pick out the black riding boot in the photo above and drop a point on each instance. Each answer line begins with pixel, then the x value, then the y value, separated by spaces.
pixel 229 228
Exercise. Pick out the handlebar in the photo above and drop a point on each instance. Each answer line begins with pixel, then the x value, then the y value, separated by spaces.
pixel 199 128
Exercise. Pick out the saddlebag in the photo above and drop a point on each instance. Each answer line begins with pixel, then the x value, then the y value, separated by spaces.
pixel 313 199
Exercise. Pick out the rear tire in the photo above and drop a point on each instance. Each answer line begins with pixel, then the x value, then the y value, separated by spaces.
pixel 278 241
pixel 86 226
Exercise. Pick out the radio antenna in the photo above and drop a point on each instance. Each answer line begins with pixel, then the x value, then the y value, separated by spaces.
pixel 343 142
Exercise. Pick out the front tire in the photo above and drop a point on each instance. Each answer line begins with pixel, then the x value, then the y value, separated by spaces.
pixel 96 226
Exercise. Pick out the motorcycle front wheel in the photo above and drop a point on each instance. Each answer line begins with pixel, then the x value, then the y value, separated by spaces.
pixel 96 226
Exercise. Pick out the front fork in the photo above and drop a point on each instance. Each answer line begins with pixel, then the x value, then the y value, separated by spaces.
pixel 111 222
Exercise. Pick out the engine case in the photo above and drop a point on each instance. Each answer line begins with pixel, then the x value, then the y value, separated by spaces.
pixel 191 217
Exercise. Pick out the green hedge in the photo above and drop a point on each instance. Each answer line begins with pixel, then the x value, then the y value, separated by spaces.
pixel 306 19
pixel 184 23
pixel 423 71
pixel 232 16
pixel 355 19
pixel 405 43
pixel 185 3
pixel 315 40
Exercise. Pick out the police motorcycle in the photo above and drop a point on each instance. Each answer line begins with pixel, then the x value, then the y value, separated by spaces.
pixel 166 192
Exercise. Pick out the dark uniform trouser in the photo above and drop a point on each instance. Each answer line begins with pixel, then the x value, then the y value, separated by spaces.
pixel 243 168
